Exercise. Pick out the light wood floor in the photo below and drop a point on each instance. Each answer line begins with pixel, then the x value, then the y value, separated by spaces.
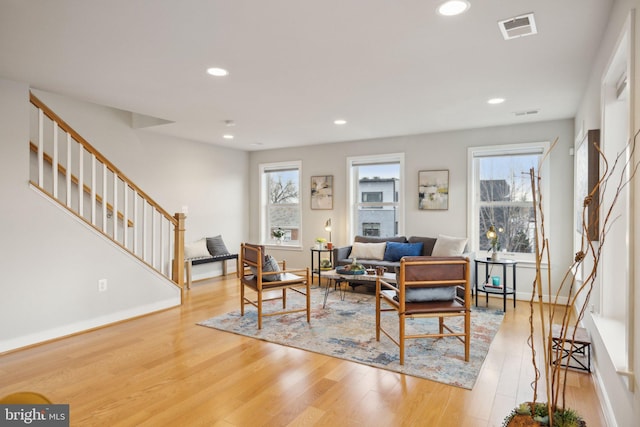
pixel 164 370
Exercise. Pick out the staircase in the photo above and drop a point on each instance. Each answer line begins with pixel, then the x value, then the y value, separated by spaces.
pixel 67 169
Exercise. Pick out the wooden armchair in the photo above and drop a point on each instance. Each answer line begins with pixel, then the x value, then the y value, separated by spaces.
pixel 443 290
pixel 261 276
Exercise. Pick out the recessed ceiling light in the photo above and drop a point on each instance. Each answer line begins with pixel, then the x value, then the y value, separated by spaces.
pixel 217 72
pixel 494 101
pixel 227 136
pixel 453 7
pixel 340 122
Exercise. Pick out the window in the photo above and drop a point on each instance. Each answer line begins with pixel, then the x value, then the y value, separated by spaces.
pixel 371 229
pixel 501 196
pixel 372 197
pixel 375 189
pixel 280 202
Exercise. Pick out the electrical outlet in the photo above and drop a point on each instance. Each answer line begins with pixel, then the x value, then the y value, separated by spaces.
pixel 102 285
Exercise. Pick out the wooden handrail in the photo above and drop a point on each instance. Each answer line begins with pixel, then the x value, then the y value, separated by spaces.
pixel 76 136
pixel 148 245
pixel 63 171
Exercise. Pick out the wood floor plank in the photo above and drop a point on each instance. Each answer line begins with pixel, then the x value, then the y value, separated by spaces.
pixel 165 370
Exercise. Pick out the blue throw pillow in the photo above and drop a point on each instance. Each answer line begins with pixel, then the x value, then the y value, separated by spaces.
pixel 395 251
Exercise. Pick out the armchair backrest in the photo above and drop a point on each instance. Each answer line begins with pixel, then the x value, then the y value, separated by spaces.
pixel 435 272
pixel 252 255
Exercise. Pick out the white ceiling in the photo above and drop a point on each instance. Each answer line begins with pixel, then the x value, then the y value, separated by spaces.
pixel 389 67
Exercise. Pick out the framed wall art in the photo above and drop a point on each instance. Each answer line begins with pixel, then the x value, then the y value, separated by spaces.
pixel 322 192
pixel 433 190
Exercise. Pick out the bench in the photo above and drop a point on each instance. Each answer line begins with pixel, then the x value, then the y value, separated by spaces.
pixel 188 263
pixel 576 354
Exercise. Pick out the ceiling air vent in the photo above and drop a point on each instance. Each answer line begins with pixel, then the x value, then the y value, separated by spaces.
pixel 526 113
pixel 520 26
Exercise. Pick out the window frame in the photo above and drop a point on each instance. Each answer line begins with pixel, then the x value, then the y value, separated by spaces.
pixel 352 191
pixel 264 228
pixel 473 193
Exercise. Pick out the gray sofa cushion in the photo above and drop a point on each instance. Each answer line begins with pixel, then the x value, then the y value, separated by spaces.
pixel 366 239
pixel 427 243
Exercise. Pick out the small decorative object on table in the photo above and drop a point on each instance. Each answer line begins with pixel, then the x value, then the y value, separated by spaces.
pixel 325 264
pixel 320 241
pixel 353 268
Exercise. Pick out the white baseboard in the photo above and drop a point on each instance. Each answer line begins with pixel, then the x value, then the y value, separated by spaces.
pixel 605 403
pixel 74 328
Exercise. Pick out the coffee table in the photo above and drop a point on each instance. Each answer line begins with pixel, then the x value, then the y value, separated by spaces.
pixel 339 279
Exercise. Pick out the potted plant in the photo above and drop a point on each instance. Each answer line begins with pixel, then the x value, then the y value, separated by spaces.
pixel 278 234
pixel 553 412
pixel 320 241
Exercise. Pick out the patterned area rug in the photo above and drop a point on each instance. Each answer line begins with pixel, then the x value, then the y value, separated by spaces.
pixel 346 329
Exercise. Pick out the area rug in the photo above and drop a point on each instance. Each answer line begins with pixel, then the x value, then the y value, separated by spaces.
pixel 346 330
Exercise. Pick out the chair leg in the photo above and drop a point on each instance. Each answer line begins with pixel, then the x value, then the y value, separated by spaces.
pixel 259 310
pixel 378 316
pixel 308 287
pixel 401 338
pixel 284 298
pixel 441 324
pixel 241 299
pixel 467 335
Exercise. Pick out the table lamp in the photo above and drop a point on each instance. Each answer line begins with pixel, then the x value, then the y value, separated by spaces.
pixel 327 227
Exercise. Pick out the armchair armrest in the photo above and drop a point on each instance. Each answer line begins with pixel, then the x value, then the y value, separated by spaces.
pixel 341 253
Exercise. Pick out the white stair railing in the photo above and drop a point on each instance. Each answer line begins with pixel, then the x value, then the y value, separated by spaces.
pixel 149 233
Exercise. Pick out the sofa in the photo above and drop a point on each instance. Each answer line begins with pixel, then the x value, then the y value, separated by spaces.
pixel 387 252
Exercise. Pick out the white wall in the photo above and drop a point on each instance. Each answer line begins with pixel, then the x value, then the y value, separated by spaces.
pixel 622 405
pixel 51 262
pixel 424 152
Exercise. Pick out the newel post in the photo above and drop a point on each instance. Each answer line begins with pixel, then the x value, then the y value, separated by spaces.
pixel 178 250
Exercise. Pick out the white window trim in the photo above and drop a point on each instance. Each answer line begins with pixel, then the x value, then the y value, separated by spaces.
pixel 352 189
pixel 472 202
pixel 265 167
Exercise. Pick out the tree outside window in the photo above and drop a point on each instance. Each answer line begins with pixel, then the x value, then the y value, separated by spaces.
pixel 281 203
pixel 503 197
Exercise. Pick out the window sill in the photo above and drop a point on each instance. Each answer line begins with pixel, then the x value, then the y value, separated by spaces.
pixel 283 247
pixel 612 334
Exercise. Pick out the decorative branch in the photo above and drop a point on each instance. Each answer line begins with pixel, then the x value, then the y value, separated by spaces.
pixel 555 375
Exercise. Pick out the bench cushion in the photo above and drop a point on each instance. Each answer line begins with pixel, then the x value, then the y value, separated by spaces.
pixel 207 259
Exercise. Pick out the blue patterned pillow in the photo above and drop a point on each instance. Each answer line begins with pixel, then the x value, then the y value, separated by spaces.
pixel 395 251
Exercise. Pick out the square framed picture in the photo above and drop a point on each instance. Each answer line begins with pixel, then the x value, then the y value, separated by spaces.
pixel 433 190
pixel 322 192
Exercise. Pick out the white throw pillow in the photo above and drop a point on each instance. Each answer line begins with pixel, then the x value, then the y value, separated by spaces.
pixel 449 246
pixel 197 249
pixel 368 250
